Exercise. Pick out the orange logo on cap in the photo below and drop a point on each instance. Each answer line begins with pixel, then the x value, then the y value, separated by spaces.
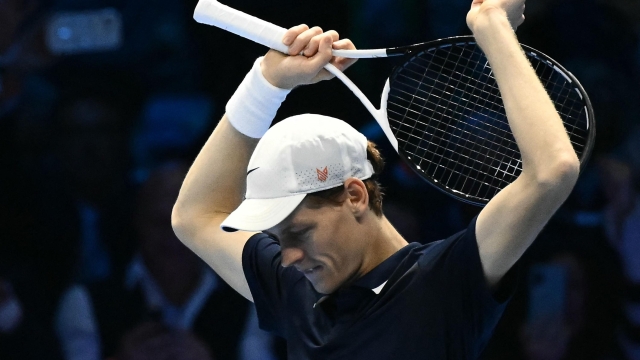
pixel 323 174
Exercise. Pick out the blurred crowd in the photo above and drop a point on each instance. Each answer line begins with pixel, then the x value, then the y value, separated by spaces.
pixel 105 103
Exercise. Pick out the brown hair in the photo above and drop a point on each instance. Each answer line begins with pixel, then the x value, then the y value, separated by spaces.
pixel 374 189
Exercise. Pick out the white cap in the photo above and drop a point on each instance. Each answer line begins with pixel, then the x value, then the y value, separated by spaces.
pixel 297 156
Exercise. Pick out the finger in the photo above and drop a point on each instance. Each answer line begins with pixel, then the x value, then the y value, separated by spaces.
pixel 312 48
pixel 343 63
pixel 323 55
pixel 293 33
pixel 344 44
pixel 302 40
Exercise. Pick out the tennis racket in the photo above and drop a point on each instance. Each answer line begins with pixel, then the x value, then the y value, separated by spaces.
pixel 441 109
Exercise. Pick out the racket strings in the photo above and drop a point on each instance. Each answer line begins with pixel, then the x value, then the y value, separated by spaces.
pixel 451 127
pixel 479 159
pixel 447 114
pixel 542 76
pixel 428 102
pixel 467 175
pixel 440 139
pixel 498 110
pixel 426 99
pixel 495 151
pixel 468 167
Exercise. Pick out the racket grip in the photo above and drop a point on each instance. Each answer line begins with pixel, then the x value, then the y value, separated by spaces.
pixel 211 12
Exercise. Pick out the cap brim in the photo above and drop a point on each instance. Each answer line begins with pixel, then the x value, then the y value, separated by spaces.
pixel 261 214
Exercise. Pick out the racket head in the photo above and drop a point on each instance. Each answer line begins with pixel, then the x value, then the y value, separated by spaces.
pixel 445 110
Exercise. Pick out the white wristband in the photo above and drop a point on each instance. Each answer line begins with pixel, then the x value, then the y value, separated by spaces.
pixel 255 103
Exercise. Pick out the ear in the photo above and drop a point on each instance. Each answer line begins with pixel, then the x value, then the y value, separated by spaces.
pixel 357 196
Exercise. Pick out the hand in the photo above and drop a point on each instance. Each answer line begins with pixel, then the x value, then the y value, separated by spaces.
pixel 309 52
pixel 512 9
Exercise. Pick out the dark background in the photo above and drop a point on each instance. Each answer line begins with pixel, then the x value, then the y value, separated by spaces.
pixel 86 128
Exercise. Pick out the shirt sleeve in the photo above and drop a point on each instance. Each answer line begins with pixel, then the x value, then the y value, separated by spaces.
pixel 268 281
pixel 469 298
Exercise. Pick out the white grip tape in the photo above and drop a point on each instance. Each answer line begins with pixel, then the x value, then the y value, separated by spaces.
pixel 255 103
pixel 361 54
pixel 211 12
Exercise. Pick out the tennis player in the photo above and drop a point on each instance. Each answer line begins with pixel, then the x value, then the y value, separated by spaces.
pixel 324 267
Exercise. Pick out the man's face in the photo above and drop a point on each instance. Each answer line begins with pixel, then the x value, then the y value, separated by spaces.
pixel 322 242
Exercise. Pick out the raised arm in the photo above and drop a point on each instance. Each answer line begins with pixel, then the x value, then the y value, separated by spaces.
pixel 215 184
pixel 514 217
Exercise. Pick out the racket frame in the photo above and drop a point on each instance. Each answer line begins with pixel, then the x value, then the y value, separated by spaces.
pixel 412 50
pixel 211 12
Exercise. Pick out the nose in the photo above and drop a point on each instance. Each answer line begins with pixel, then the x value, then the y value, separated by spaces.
pixel 291 256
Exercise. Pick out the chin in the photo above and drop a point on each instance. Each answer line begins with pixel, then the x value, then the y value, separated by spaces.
pixel 323 288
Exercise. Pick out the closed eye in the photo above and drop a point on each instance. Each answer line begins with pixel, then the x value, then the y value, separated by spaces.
pixel 293 237
pixel 298 237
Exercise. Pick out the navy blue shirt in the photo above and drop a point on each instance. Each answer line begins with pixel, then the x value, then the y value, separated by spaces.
pixel 435 303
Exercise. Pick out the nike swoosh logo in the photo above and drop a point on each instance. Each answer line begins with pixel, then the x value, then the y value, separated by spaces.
pixel 252 170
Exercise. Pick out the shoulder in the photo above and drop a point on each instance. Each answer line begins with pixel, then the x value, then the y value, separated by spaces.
pixel 462 244
pixel 258 242
pixel 260 252
pixel 262 263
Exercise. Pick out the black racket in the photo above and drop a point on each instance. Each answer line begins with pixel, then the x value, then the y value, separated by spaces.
pixel 441 110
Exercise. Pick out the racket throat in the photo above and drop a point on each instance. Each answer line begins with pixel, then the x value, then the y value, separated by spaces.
pixel 383 119
pixel 379 115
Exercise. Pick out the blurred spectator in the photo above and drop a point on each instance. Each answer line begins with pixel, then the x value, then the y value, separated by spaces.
pixel 578 317
pixel 37 258
pixel 171 125
pixel 630 10
pixel 164 282
pixel 622 222
pixel 93 151
pixel 21 41
pixel 150 49
pixel 10 308
pixel 599 31
pixel 26 98
pixel 154 341
pixel 553 336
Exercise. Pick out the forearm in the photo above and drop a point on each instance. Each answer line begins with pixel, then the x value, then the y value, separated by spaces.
pixel 534 121
pixel 216 181
pixel 215 184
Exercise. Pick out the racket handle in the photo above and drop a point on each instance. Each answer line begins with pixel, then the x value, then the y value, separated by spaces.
pixel 211 12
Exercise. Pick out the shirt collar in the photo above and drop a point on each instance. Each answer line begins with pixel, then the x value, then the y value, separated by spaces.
pixel 377 278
